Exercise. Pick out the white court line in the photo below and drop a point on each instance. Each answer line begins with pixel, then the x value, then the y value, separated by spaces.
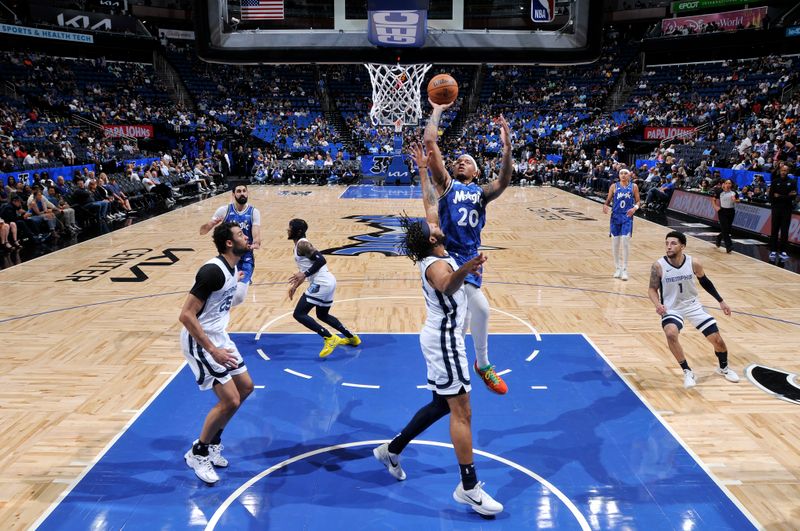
pixel 362 386
pixel 261 353
pixel 132 411
pixel 258 387
pixel 501 373
pixel 533 355
pixel 300 374
pixel 665 413
pixel 672 432
pixel 538 387
pixel 212 522
pixel 103 452
pixel 422 387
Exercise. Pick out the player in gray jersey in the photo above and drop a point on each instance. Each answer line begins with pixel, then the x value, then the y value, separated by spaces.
pixel 442 344
pixel 673 292
pixel 210 352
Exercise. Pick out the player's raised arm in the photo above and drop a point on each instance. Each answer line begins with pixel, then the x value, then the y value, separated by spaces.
pixel 430 137
pixel 495 188
pixel 430 198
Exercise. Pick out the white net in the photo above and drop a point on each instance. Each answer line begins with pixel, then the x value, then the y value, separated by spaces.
pixel 396 93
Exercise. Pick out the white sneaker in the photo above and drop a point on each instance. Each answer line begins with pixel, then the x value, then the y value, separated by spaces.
pixel 215 453
pixel 478 499
pixel 201 464
pixel 773 255
pixel 390 460
pixel 624 275
pixel 688 379
pixel 618 272
pixel 783 256
pixel 729 374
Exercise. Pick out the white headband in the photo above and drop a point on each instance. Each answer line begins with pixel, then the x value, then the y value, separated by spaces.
pixel 470 158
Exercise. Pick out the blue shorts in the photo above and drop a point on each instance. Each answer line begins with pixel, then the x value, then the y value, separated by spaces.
pixel 622 226
pixel 247 263
pixel 462 259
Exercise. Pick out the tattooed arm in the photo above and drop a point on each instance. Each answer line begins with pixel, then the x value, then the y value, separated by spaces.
pixel 430 137
pixel 654 287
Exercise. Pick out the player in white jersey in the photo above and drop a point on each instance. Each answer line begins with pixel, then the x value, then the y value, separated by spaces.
pixel 213 357
pixel 249 220
pixel 672 290
pixel 319 294
pixel 442 344
pixel 623 198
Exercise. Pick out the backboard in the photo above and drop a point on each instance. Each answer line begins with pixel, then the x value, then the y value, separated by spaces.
pixel 458 32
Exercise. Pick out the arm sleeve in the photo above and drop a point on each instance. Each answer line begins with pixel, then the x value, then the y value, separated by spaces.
pixel 220 212
pixel 709 287
pixel 256 217
pixel 319 261
pixel 210 278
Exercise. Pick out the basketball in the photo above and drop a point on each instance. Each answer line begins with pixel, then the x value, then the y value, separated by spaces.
pixel 442 89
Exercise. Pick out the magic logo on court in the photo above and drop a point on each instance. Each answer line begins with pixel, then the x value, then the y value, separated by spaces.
pixel 384 239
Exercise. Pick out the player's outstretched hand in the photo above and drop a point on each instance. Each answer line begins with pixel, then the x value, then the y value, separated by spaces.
pixel 418 155
pixel 297 278
pixel 440 106
pixel 724 307
pixel 661 309
pixel 224 357
pixel 476 264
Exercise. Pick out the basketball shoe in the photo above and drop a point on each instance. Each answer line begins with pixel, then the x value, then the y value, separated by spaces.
pixel 728 373
pixel 478 499
pixel 201 464
pixel 688 379
pixel 352 341
pixel 618 272
pixel 331 342
pixel 491 379
pixel 390 460
pixel 215 453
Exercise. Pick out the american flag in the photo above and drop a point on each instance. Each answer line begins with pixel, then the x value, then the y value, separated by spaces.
pixel 262 9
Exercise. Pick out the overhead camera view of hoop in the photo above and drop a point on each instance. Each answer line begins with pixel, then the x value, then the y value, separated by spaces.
pixel 371 264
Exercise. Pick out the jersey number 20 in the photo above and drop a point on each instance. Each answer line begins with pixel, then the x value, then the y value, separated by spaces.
pixel 470 216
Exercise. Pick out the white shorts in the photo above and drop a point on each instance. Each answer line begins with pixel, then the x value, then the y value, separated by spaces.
pixel 448 368
pixel 320 291
pixel 695 314
pixel 206 370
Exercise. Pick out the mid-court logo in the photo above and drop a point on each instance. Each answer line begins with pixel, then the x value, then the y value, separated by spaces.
pixel 384 239
pixel 780 384
pixel 559 214
pixel 166 258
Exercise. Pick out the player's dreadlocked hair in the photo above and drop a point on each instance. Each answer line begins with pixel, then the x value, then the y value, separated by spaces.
pixel 415 242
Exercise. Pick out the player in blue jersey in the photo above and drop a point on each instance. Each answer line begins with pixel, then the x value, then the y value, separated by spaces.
pixel 623 197
pixel 462 215
pixel 249 219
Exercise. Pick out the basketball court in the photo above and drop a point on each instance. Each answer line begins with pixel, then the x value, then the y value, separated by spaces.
pixel 596 432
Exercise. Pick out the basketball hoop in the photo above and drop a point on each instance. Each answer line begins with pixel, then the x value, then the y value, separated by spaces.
pixel 396 94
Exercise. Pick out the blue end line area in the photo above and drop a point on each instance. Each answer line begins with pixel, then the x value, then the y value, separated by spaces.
pixel 369 191
pixel 569 447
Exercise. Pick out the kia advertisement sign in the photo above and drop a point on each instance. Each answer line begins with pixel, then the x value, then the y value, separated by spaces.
pixel 85 20
pixel 135 131
pixel 665 133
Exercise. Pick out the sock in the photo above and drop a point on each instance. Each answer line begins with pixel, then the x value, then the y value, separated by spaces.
pixel 626 248
pixel 685 365
pixel 615 250
pixel 468 477
pixel 200 448
pixel 723 359
pixel 217 438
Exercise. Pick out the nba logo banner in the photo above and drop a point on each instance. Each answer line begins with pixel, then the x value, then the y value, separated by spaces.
pixel 543 10
pixel 394 23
